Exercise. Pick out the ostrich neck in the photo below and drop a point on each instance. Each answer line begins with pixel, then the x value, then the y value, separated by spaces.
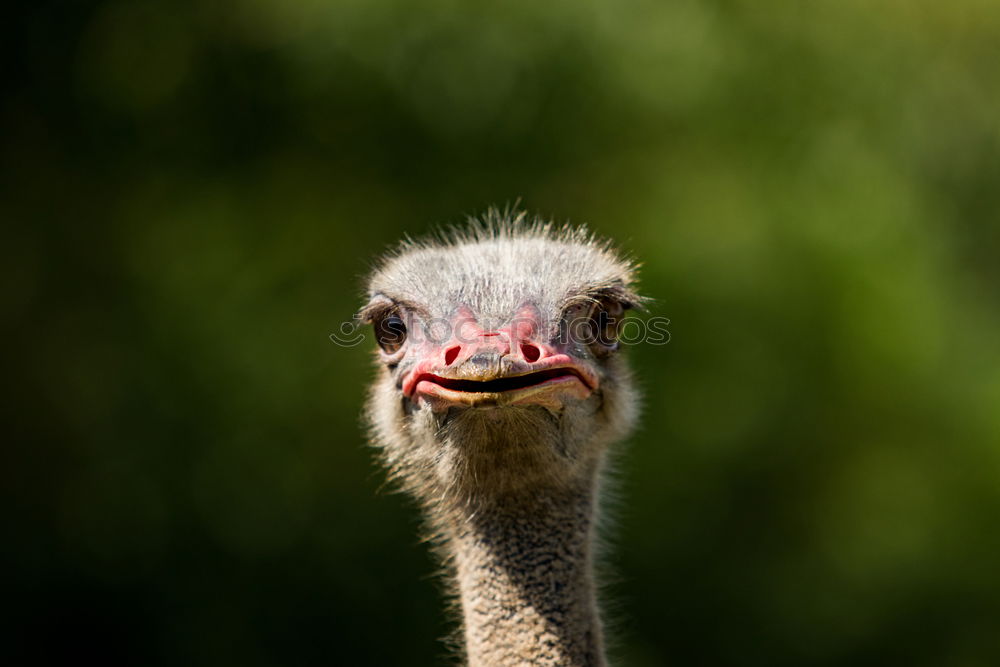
pixel 525 581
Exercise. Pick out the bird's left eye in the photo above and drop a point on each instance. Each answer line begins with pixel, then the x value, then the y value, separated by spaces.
pixel 605 321
pixel 390 332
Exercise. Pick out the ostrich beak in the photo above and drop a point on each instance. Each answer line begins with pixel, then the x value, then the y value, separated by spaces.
pixel 489 377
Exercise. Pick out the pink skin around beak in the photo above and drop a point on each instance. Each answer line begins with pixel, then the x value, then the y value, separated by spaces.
pixel 507 366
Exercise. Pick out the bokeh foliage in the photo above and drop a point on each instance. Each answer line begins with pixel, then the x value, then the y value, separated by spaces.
pixel 192 192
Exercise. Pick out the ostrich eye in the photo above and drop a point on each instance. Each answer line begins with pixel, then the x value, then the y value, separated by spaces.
pixel 390 332
pixel 605 321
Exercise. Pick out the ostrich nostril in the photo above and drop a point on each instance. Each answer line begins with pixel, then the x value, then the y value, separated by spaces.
pixel 530 352
pixel 450 355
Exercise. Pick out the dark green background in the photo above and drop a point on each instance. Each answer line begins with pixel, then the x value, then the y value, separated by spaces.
pixel 192 193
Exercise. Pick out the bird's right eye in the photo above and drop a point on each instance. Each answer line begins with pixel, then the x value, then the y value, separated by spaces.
pixel 390 332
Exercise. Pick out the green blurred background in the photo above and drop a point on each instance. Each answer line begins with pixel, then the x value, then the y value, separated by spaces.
pixel 192 193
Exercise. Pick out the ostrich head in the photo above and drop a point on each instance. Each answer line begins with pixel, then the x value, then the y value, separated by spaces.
pixel 499 374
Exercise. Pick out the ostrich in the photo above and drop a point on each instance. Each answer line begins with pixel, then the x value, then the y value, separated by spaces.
pixel 498 393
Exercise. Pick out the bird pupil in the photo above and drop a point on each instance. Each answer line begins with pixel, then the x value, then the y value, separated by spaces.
pixel 606 324
pixel 391 333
